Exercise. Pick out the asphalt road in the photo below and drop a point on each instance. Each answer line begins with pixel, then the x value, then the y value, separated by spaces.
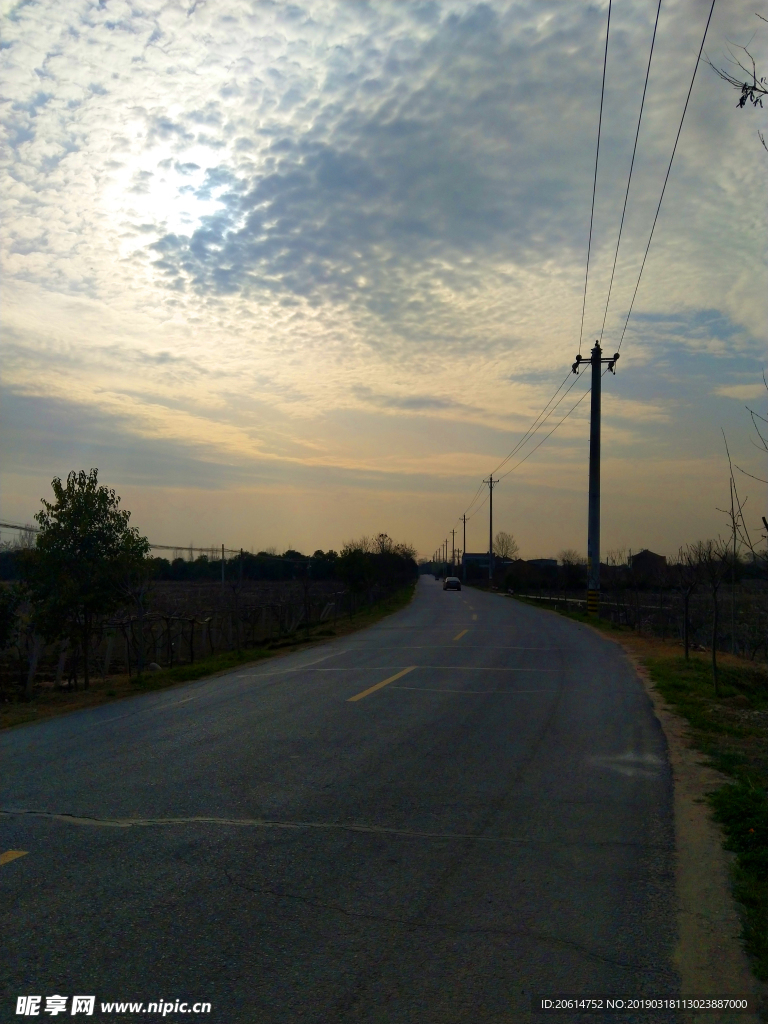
pixel 494 823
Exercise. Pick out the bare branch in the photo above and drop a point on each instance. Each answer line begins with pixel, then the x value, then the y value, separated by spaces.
pixel 758 478
pixel 751 91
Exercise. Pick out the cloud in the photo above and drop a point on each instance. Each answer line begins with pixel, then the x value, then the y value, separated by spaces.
pixel 742 391
pixel 408 403
pixel 268 224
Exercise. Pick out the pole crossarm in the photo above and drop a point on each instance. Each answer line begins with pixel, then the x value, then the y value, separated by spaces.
pixel 581 361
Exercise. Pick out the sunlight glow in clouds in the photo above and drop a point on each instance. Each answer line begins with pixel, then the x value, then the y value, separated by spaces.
pixel 340 246
pixel 162 192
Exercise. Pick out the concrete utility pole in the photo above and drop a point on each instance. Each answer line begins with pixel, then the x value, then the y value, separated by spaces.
pixel 596 361
pixel 453 551
pixel 222 565
pixel 491 484
pixel 464 563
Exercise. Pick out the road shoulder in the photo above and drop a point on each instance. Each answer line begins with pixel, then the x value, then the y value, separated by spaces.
pixel 709 955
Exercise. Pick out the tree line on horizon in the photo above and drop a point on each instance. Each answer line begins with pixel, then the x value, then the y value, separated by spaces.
pixel 86 562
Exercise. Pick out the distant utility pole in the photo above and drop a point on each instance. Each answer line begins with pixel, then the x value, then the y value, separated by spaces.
pixel 464 563
pixel 453 551
pixel 491 484
pixel 222 565
pixel 596 361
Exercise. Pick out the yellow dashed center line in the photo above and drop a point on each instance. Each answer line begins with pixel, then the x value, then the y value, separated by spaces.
pixel 461 634
pixel 9 855
pixel 474 617
pixel 384 682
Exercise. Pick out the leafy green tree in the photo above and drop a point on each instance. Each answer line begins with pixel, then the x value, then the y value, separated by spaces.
pixel 355 568
pixel 78 567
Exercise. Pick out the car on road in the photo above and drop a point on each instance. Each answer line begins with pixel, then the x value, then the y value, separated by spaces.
pixel 452 583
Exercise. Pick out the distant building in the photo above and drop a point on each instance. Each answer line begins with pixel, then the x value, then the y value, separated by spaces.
pixel 542 563
pixel 647 562
pixel 479 559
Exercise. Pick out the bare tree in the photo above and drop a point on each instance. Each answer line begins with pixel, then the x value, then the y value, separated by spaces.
pixel 686 573
pixel 363 544
pixel 382 543
pixel 713 559
pixel 405 550
pixel 505 545
pixel 759 423
pixel 752 88
pixel 24 540
pixel 569 556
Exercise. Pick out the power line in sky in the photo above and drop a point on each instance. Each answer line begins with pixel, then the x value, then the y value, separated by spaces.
pixel 669 168
pixel 594 182
pixel 547 411
pixel 631 168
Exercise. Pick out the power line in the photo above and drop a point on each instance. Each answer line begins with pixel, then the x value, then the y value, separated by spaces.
pixel 631 167
pixel 542 418
pixel 536 423
pixel 541 442
pixel 539 421
pixel 546 412
pixel 173 547
pixel 479 507
pixel 594 183
pixel 474 499
pixel 669 168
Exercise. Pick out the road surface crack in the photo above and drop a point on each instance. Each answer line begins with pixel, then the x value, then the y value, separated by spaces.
pixel 442 928
pixel 330 826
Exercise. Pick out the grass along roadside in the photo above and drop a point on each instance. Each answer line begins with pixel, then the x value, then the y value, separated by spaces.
pixel 732 731
pixel 48 702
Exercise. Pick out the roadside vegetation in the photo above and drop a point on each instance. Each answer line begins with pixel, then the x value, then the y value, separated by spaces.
pixel 48 702
pixel 89 615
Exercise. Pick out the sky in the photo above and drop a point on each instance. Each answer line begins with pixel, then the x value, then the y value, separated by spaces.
pixel 287 274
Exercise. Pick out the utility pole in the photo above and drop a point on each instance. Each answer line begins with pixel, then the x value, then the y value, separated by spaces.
pixel 596 361
pixel 222 565
pixel 464 563
pixel 491 484
pixel 453 551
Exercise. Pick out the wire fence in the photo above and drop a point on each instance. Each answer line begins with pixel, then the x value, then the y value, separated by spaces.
pixel 177 624
pixel 742 614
